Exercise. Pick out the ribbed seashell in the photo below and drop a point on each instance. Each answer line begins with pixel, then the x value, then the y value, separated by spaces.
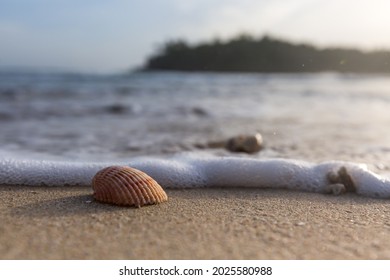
pixel 123 185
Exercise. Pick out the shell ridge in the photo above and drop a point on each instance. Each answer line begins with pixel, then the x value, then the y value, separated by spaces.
pixel 142 183
pixel 137 177
pixel 105 187
pixel 150 187
pixel 100 192
pixel 132 193
pixel 128 177
pixel 122 192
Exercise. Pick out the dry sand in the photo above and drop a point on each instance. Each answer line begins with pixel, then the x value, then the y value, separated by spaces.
pixel 65 223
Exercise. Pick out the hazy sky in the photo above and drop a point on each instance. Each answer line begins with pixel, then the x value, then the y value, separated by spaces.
pixel 115 35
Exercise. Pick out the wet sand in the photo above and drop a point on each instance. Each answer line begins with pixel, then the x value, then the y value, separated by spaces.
pixel 65 223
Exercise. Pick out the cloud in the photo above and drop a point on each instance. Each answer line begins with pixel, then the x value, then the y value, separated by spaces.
pixel 325 22
pixel 227 18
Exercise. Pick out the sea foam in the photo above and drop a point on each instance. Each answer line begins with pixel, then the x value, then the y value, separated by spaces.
pixel 189 171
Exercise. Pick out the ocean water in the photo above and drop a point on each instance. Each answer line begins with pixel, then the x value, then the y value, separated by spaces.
pixel 79 117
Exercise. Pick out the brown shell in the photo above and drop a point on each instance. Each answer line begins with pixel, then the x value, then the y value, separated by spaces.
pixel 123 185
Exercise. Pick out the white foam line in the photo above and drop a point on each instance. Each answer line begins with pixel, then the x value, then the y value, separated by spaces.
pixel 188 171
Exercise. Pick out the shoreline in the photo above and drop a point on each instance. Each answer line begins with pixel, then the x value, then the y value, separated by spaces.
pixel 212 223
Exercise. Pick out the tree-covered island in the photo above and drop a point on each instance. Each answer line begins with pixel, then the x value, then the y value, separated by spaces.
pixel 248 54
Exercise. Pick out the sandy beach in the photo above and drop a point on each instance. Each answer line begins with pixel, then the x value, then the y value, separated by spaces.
pixel 66 223
pixel 313 117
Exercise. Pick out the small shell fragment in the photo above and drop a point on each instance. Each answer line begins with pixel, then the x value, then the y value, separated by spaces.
pixel 127 186
pixel 245 143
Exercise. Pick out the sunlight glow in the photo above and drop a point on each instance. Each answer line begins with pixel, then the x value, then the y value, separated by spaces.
pixel 117 35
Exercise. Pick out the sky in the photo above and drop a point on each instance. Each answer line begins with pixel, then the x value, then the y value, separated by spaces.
pixel 117 35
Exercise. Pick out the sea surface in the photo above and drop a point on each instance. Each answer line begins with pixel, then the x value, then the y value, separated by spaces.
pixel 80 117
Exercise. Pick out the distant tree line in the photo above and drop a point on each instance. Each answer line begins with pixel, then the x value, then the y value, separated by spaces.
pixel 247 54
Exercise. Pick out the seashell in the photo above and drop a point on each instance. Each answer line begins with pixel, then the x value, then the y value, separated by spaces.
pixel 123 185
pixel 342 177
pixel 245 143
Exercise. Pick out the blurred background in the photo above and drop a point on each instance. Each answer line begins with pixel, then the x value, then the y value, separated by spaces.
pixel 113 36
pixel 107 80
